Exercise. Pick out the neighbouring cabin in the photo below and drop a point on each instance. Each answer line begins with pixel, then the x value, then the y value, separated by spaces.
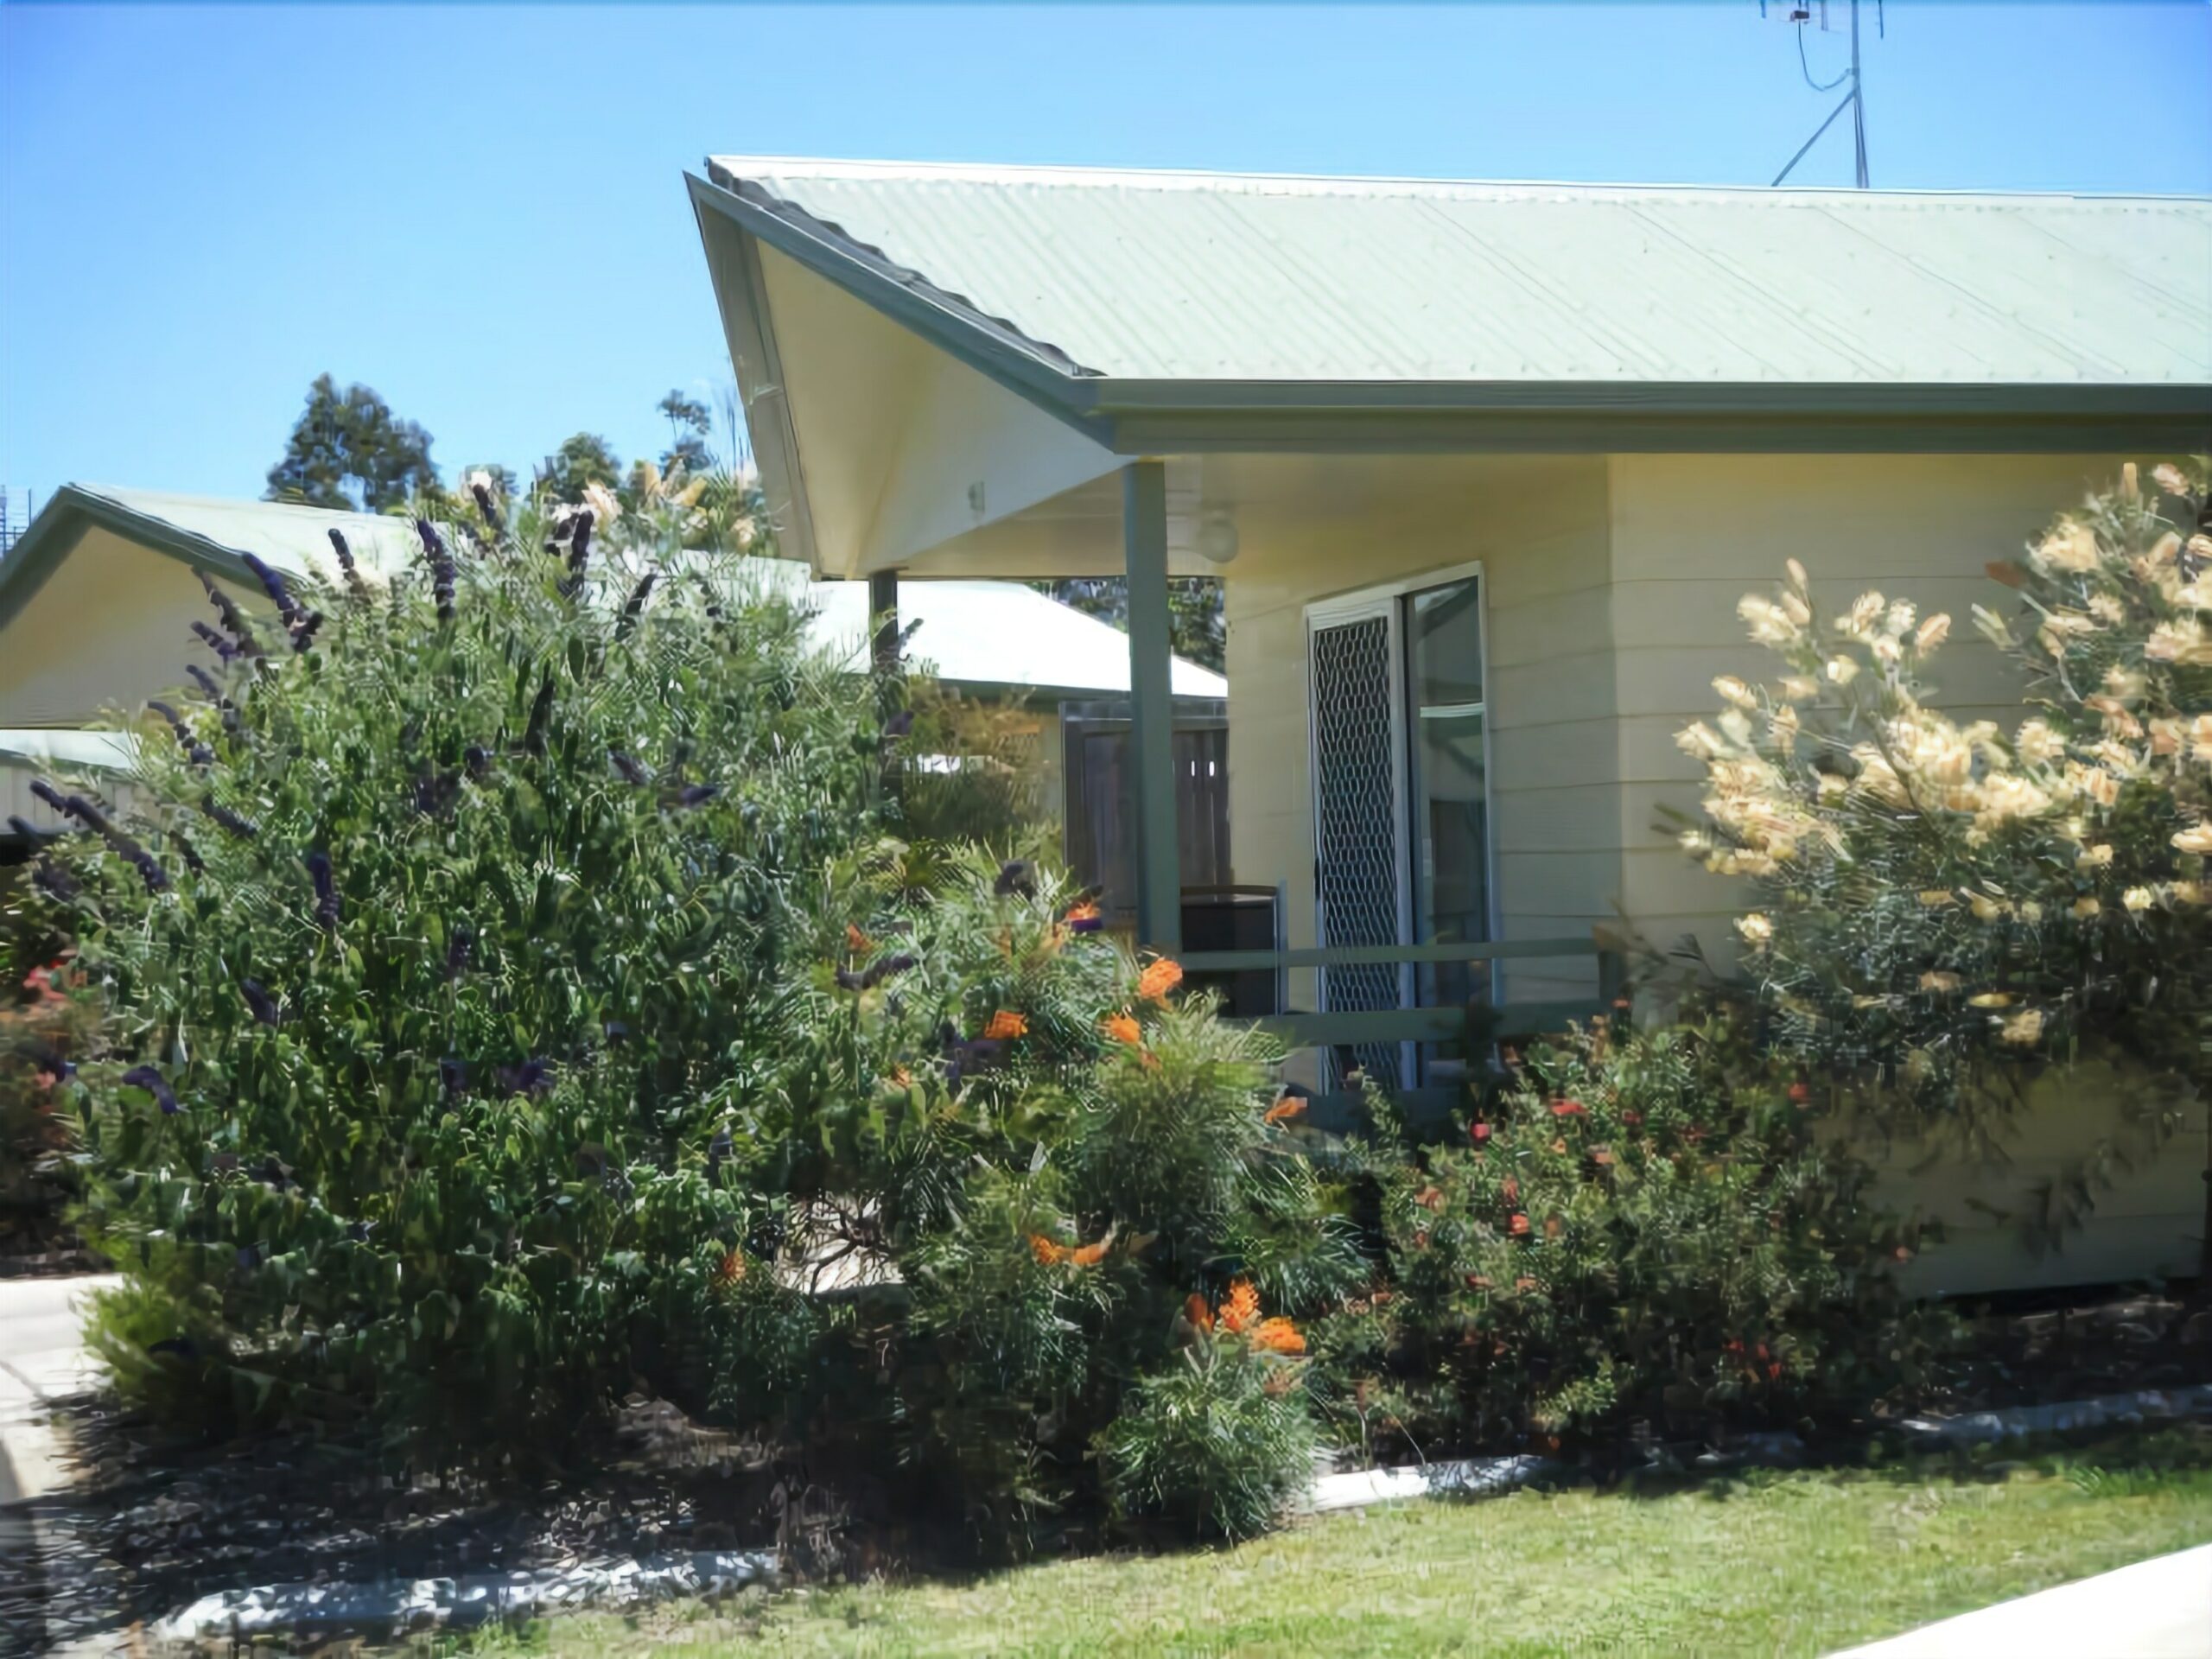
pixel 1484 469
pixel 97 600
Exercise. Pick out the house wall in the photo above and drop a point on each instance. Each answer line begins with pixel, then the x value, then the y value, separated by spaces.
pixel 1689 535
pixel 1612 588
pixel 109 627
pixel 1540 528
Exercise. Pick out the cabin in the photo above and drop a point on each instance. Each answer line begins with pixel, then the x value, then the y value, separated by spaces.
pixel 1484 468
pixel 97 600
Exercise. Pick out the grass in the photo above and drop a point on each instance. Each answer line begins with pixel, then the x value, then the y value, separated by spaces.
pixel 1800 1563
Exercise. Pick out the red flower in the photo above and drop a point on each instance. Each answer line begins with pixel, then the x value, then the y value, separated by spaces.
pixel 1510 1191
pixel 1478 1133
pixel 1518 1226
pixel 1632 1117
pixel 1569 1109
pixel 1801 1094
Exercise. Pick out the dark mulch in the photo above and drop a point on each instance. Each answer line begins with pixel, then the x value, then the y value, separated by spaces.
pixel 157 1523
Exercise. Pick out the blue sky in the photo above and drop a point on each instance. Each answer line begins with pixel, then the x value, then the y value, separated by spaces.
pixel 481 213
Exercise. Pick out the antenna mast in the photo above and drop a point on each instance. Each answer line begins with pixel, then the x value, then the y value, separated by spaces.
pixel 1798 13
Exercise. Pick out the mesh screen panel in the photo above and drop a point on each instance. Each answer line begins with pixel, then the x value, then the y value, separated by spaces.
pixel 1356 825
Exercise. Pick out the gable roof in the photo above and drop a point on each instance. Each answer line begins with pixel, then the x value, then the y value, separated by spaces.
pixel 1001 635
pixel 1098 290
pixel 210 533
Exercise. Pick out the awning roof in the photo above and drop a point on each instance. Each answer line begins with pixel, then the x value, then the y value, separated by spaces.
pixel 1108 290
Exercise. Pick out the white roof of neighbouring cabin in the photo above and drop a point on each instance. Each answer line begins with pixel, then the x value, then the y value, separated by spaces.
pixel 1000 635
pixel 1153 277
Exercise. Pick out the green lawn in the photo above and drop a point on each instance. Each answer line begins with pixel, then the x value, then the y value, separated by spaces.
pixel 1776 1564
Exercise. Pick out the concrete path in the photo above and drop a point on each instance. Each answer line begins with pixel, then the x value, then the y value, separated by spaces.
pixel 41 1357
pixel 2159 1609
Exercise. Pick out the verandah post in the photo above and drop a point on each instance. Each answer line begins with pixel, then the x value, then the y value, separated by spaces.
pixel 883 653
pixel 1152 735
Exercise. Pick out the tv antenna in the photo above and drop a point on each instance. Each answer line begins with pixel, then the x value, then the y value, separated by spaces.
pixel 1802 15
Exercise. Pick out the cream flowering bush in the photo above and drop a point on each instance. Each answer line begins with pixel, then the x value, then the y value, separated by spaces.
pixel 1934 899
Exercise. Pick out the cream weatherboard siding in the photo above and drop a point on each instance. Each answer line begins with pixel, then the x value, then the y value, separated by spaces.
pixel 109 627
pixel 1691 534
pixel 1540 533
pixel 1612 590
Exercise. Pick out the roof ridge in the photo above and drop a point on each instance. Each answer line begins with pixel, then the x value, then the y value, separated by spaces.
pixel 746 165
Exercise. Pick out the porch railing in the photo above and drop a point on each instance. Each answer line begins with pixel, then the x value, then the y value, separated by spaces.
pixel 1326 1029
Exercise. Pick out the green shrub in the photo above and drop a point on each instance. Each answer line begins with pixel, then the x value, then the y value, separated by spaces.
pixel 526 992
pixel 46 1022
pixel 1215 1442
pixel 1942 909
pixel 1644 1227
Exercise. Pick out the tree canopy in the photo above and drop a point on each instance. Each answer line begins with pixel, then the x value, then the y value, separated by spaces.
pixel 348 450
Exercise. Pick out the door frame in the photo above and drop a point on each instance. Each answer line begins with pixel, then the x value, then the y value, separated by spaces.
pixel 1386 600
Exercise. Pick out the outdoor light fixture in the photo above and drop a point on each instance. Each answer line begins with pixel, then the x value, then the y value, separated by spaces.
pixel 1216 535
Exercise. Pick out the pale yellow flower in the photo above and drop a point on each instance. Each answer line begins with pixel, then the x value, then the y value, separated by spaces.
pixel 1699 741
pixel 604 507
pixel 1985 909
pixel 1758 930
pixel 1991 1000
pixel 1795 607
pixel 1932 632
pixel 1798 578
pixel 2169 478
pixel 2094 783
pixel 2086 908
pixel 2037 744
pixel 2129 488
pixel 2031 911
pixel 2069 549
pixel 2023 1027
pixel 2197 839
pixel 1770 624
pixel 2165 549
pixel 2182 641
pixel 2098 857
pixel 1939 981
pixel 1733 689
pixel 2137 898
pixel 1937 899
pixel 1800 688
pixel 1842 669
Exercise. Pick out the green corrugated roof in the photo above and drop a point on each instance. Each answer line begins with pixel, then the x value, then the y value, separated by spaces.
pixel 1134 277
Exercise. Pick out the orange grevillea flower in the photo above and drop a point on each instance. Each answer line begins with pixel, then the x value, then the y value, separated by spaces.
pixel 1082 917
pixel 1122 1028
pixel 1196 1310
pixel 1089 1256
pixel 1006 1025
pixel 1518 1226
pixel 1278 1336
pixel 1429 1198
pixel 731 1269
pixel 1048 1253
pixel 1286 1107
pixel 1524 1283
pixel 1242 1309
pixel 1159 979
pixel 1478 1281
pixel 857 941
pixel 1569 1109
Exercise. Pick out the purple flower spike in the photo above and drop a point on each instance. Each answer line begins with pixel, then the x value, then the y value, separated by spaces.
pixel 215 642
pixel 697 794
pixel 233 618
pixel 326 890
pixel 263 1006
pixel 273 585
pixel 50 795
pixel 243 828
pixel 631 771
pixel 346 562
pixel 441 567
pixel 146 1077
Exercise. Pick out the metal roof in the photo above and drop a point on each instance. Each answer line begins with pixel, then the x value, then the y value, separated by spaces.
pixel 1128 278
pixel 1002 634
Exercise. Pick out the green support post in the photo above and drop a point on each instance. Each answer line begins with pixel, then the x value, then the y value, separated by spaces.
pixel 1152 707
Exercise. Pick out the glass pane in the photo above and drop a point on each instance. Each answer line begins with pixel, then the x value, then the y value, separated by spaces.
pixel 1444 689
